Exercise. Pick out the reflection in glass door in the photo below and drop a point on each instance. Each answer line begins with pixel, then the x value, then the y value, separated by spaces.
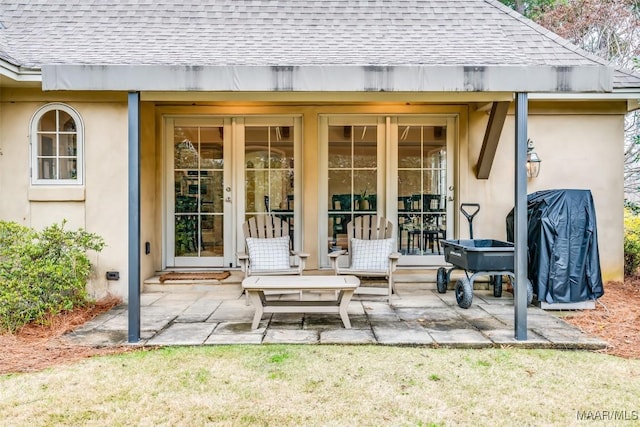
pixel 422 189
pixel 196 222
pixel 269 177
pixel 352 178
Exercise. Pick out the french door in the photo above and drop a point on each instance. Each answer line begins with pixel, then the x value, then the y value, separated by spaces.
pixel 423 190
pixel 219 172
pixel 395 166
pixel 198 200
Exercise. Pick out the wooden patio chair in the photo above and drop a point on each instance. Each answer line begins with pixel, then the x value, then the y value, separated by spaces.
pixel 370 253
pixel 268 248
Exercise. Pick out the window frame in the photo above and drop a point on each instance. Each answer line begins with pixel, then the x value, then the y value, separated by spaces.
pixel 35 153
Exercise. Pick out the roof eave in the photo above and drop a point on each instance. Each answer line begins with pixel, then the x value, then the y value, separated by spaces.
pixel 19 74
pixel 337 78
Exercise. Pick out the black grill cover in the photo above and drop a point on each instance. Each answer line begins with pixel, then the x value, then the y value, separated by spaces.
pixel 564 263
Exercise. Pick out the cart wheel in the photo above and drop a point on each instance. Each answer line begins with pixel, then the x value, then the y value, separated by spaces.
pixel 441 280
pixel 529 292
pixel 464 293
pixel 496 281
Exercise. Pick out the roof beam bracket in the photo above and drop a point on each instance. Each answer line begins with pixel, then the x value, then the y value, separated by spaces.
pixel 491 138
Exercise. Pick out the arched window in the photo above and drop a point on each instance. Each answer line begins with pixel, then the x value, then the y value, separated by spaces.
pixel 57 146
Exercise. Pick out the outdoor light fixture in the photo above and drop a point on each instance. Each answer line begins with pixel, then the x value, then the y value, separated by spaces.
pixel 533 161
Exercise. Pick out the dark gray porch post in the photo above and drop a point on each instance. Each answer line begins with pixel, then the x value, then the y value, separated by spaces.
pixel 134 217
pixel 520 218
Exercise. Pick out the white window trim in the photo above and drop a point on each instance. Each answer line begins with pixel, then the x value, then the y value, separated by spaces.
pixel 33 143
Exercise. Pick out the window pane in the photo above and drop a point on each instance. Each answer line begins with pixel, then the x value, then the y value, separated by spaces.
pixel 340 146
pixel 365 148
pixel 48 122
pixel 46 145
pixel 185 150
pixel 47 169
pixel 68 169
pixel 67 124
pixel 340 191
pixel 409 146
pixel 67 145
pixel 256 191
pixel 212 237
pixel 211 154
pixel 281 190
pixel 364 183
pixel 186 235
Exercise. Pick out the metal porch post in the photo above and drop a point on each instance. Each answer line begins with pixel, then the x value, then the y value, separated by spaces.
pixel 134 217
pixel 520 218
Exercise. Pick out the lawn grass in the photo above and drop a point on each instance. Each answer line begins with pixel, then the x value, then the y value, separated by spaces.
pixel 286 385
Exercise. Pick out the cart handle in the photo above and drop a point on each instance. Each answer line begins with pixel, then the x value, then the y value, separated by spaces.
pixel 469 214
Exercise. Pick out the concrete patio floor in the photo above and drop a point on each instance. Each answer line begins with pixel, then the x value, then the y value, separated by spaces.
pixel 418 315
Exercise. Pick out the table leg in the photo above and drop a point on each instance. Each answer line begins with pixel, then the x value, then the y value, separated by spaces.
pixel 344 298
pixel 256 297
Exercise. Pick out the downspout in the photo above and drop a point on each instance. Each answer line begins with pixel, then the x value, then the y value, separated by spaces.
pixel 520 218
pixel 134 217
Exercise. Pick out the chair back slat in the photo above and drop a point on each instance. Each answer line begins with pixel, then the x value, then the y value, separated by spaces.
pixel 265 226
pixel 369 227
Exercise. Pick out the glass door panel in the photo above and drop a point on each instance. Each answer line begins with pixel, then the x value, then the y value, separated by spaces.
pixel 352 178
pixel 196 226
pixel 422 189
pixel 269 172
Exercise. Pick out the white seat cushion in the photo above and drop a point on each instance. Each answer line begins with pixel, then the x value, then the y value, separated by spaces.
pixel 371 254
pixel 268 253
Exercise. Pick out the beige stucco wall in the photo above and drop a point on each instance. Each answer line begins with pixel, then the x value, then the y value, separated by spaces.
pixel 100 206
pixel 580 145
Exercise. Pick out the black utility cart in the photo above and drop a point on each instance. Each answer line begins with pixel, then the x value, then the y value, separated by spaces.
pixel 477 257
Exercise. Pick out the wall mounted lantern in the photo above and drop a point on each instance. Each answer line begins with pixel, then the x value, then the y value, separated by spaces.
pixel 533 161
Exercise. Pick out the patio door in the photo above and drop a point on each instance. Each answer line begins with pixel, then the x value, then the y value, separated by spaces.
pixel 422 148
pixel 221 171
pixel 395 166
pixel 198 192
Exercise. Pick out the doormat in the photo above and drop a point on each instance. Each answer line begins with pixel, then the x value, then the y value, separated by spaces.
pixel 204 275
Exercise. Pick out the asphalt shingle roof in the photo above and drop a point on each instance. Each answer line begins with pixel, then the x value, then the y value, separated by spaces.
pixel 280 33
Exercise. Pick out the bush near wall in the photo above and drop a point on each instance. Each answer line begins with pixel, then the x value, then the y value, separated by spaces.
pixel 631 242
pixel 42 272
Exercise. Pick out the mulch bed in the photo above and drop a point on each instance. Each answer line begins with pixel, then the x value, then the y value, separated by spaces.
pixel 616 320
pixel 38 346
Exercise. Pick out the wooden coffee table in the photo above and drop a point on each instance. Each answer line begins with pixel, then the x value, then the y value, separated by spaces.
pixel 255 286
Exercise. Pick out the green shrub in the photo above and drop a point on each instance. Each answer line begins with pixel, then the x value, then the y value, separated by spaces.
pixel 42 272
pixel 631 242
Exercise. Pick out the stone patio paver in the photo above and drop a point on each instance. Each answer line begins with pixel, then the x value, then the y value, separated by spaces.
pixel 347 336
pixel 183 334
pixel 401 333
pixel 463 338
pixel 417 315
pixel 287 336
pixel 507 337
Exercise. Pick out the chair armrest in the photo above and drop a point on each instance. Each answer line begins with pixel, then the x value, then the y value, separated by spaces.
pixel 336 254
pixel 243 260
pixel 393 259
pixel 333 257
pixel 394 255
pixel 301 254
